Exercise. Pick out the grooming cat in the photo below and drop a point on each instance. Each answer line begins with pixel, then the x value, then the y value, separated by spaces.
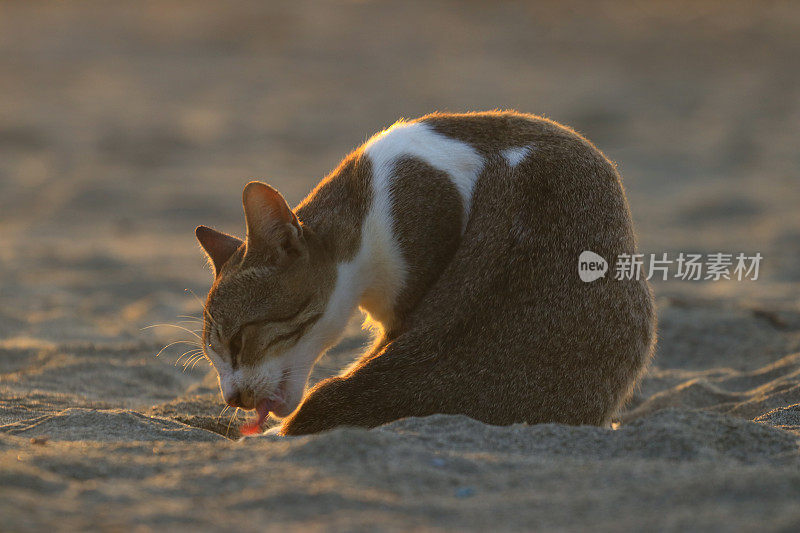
pixel 459 235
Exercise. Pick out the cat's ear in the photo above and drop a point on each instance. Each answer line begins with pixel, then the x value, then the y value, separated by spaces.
pixel 271 224
pixel 219 246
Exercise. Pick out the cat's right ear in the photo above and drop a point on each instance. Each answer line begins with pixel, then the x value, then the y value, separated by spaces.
pixel 219 246
pixel 272 226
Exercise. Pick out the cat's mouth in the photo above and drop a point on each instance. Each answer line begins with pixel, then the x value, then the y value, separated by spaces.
pixel 276 403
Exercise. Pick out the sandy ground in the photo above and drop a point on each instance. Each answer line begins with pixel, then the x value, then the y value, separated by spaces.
pixel 123 126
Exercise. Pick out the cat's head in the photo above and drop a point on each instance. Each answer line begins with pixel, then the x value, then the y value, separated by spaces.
pixel 264 321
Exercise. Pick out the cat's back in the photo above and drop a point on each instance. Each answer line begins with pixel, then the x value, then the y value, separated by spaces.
pixel 543 157
pixel 511 299
pixel 524 193
pixel 544 196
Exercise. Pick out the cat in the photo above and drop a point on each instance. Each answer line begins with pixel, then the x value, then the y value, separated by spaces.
pixel 459 236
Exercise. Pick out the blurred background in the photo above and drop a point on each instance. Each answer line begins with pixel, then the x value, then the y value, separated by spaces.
pixel 123 125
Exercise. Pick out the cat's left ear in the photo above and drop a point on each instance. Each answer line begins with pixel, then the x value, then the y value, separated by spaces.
pixel 271 224
pixel 219 246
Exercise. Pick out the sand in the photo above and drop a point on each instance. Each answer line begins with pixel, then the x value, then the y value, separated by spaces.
pixel 124 126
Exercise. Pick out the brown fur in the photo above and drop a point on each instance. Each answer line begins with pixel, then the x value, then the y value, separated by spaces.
pixel 337 205
pixel 308 280
pixel 494 324
pixel 426 209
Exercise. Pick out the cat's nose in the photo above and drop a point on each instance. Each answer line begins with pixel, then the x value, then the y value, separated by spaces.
pixel 235 399
pixel 242 398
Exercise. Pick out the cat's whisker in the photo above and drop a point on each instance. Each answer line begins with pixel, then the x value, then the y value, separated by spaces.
pixel 203 305
pixel 194 360
pixel 234 415
pixel 189 323
pixel 184 354
pixel 223 411
pixel 189 364
pixel 192 343
pixel 202 356
pixel 173 326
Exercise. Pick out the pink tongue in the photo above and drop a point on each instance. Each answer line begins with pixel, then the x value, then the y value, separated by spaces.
pixel 254 426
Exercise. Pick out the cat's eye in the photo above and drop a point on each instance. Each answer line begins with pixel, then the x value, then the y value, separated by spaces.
pixel 291 336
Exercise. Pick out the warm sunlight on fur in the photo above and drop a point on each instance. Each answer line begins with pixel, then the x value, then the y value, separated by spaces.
pixel 432 314
pixel 428 218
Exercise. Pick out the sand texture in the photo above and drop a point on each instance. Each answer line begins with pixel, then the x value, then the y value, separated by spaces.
pixel 125 125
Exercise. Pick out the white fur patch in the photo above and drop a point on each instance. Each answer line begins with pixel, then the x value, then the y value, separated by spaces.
pixel 380 260
pixel 514 156
pixel 459 160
